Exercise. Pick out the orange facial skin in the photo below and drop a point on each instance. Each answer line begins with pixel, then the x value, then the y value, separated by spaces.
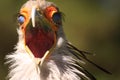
pixel 26 13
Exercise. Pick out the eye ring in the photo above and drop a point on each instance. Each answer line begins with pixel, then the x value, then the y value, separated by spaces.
pixel 21 19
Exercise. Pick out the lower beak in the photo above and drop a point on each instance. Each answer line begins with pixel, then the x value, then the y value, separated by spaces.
pixel 38 61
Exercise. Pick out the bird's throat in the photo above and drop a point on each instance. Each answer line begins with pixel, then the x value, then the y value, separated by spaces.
pixel 39 41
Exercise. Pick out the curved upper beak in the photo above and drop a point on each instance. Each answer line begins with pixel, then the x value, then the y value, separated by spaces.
pixel 33 12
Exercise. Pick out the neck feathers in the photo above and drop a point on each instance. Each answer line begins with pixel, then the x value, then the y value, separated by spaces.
pixel 59 66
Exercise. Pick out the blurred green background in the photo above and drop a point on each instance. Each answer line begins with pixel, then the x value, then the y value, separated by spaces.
pixel 91 25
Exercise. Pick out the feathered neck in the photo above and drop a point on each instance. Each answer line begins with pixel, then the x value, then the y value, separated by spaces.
pixel 57 67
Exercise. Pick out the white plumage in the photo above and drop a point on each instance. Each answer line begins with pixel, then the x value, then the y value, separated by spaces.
pixel 57 67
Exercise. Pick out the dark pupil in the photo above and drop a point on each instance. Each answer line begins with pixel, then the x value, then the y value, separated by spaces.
pixel 21 19
pixel 56 18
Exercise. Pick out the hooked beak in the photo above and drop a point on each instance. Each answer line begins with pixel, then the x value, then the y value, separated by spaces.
pixel 39 36
pixel 33 16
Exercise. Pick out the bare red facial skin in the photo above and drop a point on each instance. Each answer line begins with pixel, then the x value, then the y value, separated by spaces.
pixel 39 41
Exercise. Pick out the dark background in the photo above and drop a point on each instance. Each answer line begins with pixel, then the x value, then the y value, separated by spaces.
pixel 91 25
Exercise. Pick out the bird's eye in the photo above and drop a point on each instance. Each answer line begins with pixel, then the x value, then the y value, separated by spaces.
pixel 56 17
pixel 52 14
pixel 21 19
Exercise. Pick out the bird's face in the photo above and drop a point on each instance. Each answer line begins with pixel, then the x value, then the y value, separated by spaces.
pixel 39 24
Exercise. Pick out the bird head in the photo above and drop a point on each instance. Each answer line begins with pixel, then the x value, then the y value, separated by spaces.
pixel 40 24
